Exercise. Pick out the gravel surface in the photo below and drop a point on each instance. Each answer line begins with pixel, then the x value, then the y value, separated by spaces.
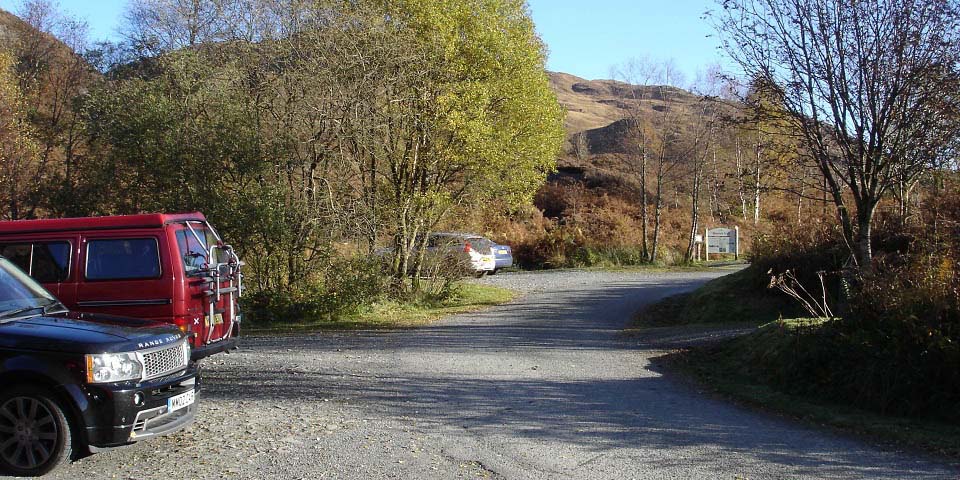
pixel 543 387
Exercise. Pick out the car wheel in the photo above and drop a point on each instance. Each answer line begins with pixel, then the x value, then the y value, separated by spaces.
pixel 493 272
pixel 35 435
pixel 479 273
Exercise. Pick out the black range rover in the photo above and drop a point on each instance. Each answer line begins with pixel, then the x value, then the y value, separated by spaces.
pixel 72 381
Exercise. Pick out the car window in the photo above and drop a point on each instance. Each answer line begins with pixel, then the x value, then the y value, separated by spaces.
pixel 18 290
pixel 123 259
pixel 49 263
pixel 441 241
pixel 18 254
pixel 193 253
pixel 480 244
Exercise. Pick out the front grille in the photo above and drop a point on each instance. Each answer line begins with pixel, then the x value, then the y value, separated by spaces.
pixel 161 362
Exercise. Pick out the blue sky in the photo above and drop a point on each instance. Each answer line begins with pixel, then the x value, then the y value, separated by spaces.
pixel 585 38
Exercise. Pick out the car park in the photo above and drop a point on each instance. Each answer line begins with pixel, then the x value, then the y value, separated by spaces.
pixel 71 382
pixel 171 268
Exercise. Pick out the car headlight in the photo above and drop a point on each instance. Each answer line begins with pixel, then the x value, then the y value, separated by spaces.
pixel 113 367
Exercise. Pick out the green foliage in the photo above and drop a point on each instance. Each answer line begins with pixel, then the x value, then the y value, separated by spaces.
pixel 609 256
pixel 346 289
pixel 187 138
pixel 292 151
pixel 393 313
pixel 896 350
pixel 899 367
pixel 19 149
pixel 484 124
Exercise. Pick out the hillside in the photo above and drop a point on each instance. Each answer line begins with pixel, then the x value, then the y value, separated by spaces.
pixel 12 28
pixel 19 36
pixel 600 151
pixel 599 111
pixel 591 206
pixel 597 108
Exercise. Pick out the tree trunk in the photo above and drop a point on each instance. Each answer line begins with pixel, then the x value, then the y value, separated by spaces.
pixel 644 216
pixel 800 206
pixel 863 247
pixel 694 212
pixel 756 181
pixel 658 210
pixel 741 188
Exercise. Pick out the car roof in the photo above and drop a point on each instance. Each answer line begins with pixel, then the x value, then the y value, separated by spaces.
pixel 97 223
pixel 456 234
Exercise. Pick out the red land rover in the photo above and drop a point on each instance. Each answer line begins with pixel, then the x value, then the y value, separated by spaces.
pixel 170 268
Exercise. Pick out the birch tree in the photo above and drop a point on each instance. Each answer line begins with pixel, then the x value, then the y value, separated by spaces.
pixel 867 86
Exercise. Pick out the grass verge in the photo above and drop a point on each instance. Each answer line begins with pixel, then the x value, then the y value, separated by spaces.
pixel 468 298
pixel 643 268
pixel 733 368
pixel 739 298
pixel 750 369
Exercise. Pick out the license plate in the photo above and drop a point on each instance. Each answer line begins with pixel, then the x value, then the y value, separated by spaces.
pixel 183 400
pixel 217 319
pixel 503 252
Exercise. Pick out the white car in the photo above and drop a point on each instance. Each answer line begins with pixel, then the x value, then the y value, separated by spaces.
pixel 475 252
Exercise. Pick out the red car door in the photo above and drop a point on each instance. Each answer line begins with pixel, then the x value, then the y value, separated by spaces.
pixel 125 274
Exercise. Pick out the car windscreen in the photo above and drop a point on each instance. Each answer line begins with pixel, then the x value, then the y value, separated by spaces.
pixel 193 252
pixel 18 290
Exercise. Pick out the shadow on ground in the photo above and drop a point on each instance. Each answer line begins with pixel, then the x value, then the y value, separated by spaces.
pixel 614 405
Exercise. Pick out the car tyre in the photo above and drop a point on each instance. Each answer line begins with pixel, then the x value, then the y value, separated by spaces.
pixel 493 272
pixel 35 434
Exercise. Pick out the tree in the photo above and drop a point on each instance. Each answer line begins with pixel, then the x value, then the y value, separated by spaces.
pixel 480 122
pixel 19 151
pixel 356 119
pixel 701 140
pixel 657 134
pixel 869 87
pixel 53 75
pixel 762 125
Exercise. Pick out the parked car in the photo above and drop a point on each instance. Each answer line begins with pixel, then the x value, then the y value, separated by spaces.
pixel 167 268
pixel 474 252
pixel 503 257
pixel 72 381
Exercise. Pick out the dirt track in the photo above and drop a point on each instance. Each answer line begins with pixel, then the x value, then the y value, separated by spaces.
pixel 544 387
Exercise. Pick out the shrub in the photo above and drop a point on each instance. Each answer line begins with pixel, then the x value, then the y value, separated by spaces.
pixel 905 319
pixel 347 286
pixel 896 349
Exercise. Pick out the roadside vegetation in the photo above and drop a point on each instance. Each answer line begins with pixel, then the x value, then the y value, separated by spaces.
pixel 783 368
pixel 872 341
pixel 738 298
pixel 383 313
pixel 887 365
pixel 325 140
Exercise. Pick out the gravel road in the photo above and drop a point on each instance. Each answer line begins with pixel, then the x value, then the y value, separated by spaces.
pixel 544 387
